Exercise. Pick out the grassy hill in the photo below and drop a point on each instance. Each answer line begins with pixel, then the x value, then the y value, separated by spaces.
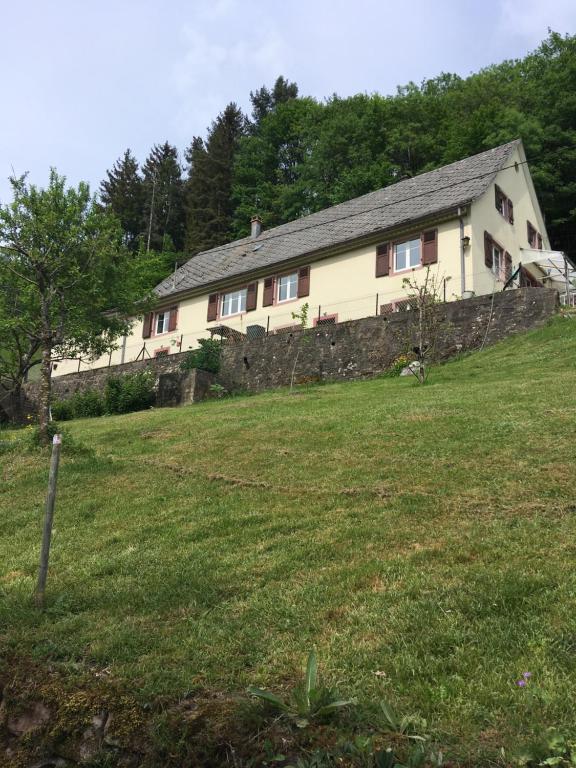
pixel 423 539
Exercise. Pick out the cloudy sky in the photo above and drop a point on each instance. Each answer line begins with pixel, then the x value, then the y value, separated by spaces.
pixel 85 79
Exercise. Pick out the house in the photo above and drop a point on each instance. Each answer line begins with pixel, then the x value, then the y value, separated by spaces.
pixel 476 223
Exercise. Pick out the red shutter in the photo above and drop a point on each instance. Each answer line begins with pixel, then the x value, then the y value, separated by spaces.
pixel 147 327
pixel 430 247
pixel 488 255
pixel 172 319
pixel 212 306
pixel 383 260
pixel 251 296
pixel 268 297
pixel 303 282
pixel 507 266
pixel 510 211
pixel 387 309
pixel 539 236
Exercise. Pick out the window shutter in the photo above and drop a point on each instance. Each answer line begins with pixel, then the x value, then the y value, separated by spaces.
pixel 212 306
pixel 488 256
pixel 539 236
pixel 387 309
pixel 510 211
pixel 303 282
pixel 147 327
pixel 383 260
pixel 430 247
pixel 251 296
pixel 268 297
pixel 507 266
pixel 172 319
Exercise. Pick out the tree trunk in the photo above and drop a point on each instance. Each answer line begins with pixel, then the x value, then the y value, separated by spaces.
pixel 45 394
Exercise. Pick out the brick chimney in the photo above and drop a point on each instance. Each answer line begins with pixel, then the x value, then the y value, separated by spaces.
pixel 255 226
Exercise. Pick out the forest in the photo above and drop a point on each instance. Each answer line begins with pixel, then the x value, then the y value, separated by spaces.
pixel 294 155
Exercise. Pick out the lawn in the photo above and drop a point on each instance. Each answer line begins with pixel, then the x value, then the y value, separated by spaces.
pixel 422 538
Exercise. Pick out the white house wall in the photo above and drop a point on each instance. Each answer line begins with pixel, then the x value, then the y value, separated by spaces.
pixel 344 286
pixel 517 185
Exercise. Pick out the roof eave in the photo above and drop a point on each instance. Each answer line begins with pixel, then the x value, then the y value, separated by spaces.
pixel 318 254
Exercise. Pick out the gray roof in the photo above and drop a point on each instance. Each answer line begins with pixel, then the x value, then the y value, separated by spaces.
pixel 391 207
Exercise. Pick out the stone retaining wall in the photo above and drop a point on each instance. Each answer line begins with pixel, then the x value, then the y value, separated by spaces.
pixel 351 350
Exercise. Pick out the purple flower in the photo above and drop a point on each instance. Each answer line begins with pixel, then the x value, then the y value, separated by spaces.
pixel 521 683
pixel 526 675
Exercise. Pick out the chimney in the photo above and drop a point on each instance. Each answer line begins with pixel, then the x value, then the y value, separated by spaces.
pixel 255 226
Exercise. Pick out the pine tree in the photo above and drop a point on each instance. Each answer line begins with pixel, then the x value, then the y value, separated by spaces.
pixel 122 194
pixel 265 101
pixel 209 206
pixel 163 209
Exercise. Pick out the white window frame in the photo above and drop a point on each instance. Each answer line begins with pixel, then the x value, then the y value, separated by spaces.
pixel 292 286
pixel 408 255
pixel 236 301
pixel 165 317
pixel 498 265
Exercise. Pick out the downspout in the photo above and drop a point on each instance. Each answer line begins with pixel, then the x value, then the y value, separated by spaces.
pixel 462 260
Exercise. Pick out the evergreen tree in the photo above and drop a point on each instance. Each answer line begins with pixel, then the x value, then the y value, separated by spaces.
pixel 122 194
pixel 265 101
pixel 209 206
pixel 163 210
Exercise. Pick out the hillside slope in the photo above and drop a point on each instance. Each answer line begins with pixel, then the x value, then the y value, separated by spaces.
pixel 424 534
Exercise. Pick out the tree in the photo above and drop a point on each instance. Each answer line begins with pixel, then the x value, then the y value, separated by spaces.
pixel 209 205
pixel 163 209
pixel 68 284
pixel 265 101
pixel 122 192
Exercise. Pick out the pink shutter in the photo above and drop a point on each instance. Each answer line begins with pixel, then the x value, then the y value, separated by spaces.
pixel 510 211
pixel 303 282
pixel 173 319
pixel 507 266
pixel 430 247
pixel 251 296
pixel 539 236
pixel 147 327
pixel 268 297
pixel 387 309
pixel 383 260
pixel 212 307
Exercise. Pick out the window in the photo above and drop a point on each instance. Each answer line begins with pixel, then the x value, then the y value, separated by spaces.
pixel 504 205
pixel 534 237
pixel 162 322
pixel 406 255
pixel 497 261
pixel 288 287
pixel 233 303
pixel 162 352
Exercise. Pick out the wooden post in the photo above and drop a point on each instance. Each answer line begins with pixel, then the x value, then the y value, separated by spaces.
pixel 377 305
pixel 48 517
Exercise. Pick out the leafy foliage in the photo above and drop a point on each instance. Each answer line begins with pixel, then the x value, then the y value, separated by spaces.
pixel 308 701
pixel 206 357
pixel 131 392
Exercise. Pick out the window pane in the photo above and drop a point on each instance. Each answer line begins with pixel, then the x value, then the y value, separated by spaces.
pixel 414 253
pixel 401 256
pixel 287 287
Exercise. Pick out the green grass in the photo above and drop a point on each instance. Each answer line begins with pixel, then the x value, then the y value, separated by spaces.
pixel 424 533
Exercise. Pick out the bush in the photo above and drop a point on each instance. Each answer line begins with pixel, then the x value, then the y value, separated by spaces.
pixel 82 405
pixel 133 392
pixel 62 410
pixel 206 358
pixel 87 404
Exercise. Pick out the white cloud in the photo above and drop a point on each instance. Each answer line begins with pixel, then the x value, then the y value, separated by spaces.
pixel 530 19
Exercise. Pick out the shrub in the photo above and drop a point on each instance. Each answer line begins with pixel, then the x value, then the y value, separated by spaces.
pixel 62 410
pixel 133 392
pixel 87 404
pixel 206 357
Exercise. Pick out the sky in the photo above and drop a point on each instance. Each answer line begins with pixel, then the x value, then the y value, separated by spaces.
pixel 85 79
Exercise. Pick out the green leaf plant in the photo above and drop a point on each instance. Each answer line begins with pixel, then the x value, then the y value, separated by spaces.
pixel 308 701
